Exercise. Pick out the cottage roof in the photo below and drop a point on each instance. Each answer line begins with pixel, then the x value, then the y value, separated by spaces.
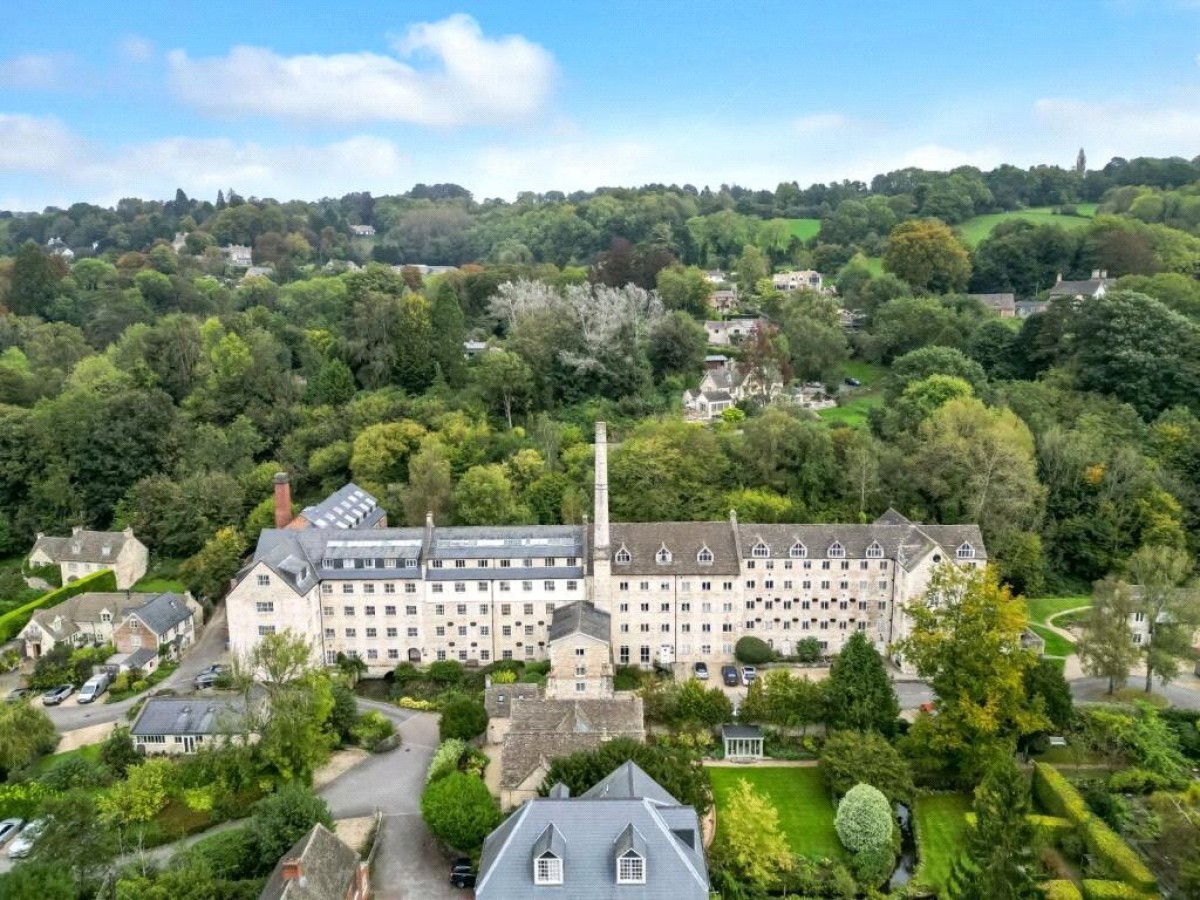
pixel 499 699
pixel 743 732
pixel 547 729
pixel 581 617
pixel 629 781
pixel 190 715
pixel 160 612
pixel 999 302
pixel 62 620
pixel 85 546
pixel 328 868
pixel 685 540
pixel 591 831
pixel 903 543
pixel 1088 287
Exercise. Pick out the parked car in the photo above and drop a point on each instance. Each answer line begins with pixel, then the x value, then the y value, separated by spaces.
pixel 93 688
pixel 729 674
pixel 853 382
pixel 23 842
pixel 461 875
pixel 10 827
pixel 17 694
pixel 210 676
pixel 700 670
pixel 749 673
pixel 57 695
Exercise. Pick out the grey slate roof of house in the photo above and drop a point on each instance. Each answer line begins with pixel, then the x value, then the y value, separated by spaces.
pixel 741 731
pixel 328 867
pixel 193 715
pixel 499 699
pixel 547 729
pixel 996 301
pixel 685 540
pixel 160 612
pixel 626 782
pixel 1085 288
pixel 84 546
pixel 507 542
pixel 347 507
pixel 588 833
pixel 581 617
pixel 140 657
pixel 80 608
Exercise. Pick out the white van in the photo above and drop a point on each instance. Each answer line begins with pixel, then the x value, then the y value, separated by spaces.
pixel 92 688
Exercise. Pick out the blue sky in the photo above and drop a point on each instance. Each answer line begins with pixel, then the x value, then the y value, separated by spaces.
pixel 305 99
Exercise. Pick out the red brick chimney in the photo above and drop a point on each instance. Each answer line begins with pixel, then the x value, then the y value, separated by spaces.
pixel 293 867
pixel 283 500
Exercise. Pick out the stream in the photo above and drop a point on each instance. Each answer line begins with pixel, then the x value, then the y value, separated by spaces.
pixel 907 863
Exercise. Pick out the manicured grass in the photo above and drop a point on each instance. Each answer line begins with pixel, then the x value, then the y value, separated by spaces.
pixel 941 826
pixel 1056 644
pixel 91 753
pixel 159 586
pixel 805 228
pixel 977 229
pixel 867 373
pixel 161 576
pixel 799 794
pixel 853 413
pixel 1043 609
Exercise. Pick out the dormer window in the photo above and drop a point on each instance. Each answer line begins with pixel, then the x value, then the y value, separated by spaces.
pixel 77 547
pixel 106 617
pixel 631 868
pixel 623 556
pixel 836 551
pixel 328 563
pixel 760 551
pixel 547 869
pixel 663 556
pixel 965 551
pixel 874 551
pixel 704 557
pixel 798 551
pixel 106 550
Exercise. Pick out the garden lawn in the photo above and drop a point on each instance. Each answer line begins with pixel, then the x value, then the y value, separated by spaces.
pixel 159 586
pixel 1056 644
pixel 90 752
pixel 1043 609
pixel 853 413
pixel 941 826
pixel 867 373
pixel 805 228
pixel 801 797
pixel 977 229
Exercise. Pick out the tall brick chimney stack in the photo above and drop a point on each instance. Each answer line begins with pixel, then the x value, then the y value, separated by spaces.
pixel 283 500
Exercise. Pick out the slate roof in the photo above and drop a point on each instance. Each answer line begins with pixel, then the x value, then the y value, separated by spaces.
pixel 80 608
pixel 581 617
pixel 347 507
pixel 499 699
pixel 140 657
pixel 189 715
pixel 1086 288
pixel 742 732
pixel 903 543
pixel 546 729
pixel 328 868
pixel 84 546
pixel 590 832
pixel 161 612
pixel 629 781
pixel 507 542
pixel 999 302
pixel 685 540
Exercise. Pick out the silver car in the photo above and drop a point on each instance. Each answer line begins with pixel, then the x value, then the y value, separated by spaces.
pixel 23 842
pixel 8 828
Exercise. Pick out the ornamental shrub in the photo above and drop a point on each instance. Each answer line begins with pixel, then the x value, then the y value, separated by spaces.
pixel 1061 890
pixel 1095 889
pixel 23 800
pixel 504 676
pixel 864 819
pixel 372 729
pixel 1137 781
pixel 445 759
pixel 1057 795
pixel 753 651
pixel 1115 857
pixel 410 703
pixel 446 671
pixel 463 718
pixel 459 811
pixel 808 650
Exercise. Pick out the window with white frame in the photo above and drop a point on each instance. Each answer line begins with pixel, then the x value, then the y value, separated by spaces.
pixel 264 580
pixel 622 556
pixel 966 551
pixel 836 550
pixel 874 551
pixel 798 551
pixel 631 869
pixel 760 551
pixel 704 557
pixel 547 869
pixel 663 556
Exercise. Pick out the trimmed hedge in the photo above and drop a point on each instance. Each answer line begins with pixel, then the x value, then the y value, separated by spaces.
pixel 1094 889
pixel 1058 795
pixel 1061 890
pixel 14 620
pixel 1049 829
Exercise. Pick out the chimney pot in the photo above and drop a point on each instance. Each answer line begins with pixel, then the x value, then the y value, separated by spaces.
pixel 75 529
pixel 293 869
pixel 283 500
pixel 1058 280
pixel 1095 274
pixel 429 518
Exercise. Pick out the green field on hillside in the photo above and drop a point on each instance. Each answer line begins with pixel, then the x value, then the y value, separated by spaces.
pixel 976 229
pixel 805 228
pixel 853 413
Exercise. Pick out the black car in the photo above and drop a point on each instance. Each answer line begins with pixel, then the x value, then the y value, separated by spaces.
pixel 729 674
pixel 57 695
pixel 461 875
pixel 853 382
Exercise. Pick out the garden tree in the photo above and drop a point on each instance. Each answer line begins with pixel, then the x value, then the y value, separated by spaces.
pixel 678 771
pixel 1106 648
pixel 208 573
pixel 976 464
pixel 760 504
pixel 999 860
pixel 462 718
pixel 752 267
pixel 858 452
pixel 371 337
pixel 677 346
pixel 908 323
pixel 130 805
pixel 966 639
pixel 485 496
pixel 1045 683
pixel 504 382
pixel 118 753
pixel 789 453
pixel 459 811
pixel 1022 258
pixel 1167 598
pixel 856 757
pixel 858 691
pixel 76 838
pixel 667 471
pixel 282 818
pixel 185 881
pixel 34 281
pixel 918 402
pixel 697 706
pixel 928 255
pixel 448 332
pixel 429 483
pixel 39 881
pixel 343 713
pixel 25 732
pixel 864 819
pixel 332 385
pixel 815 337
pixel 752 846
pixel 381 452
pixel 684 289
pixel 1142 738
pixel 918 365
pixel 1134 348
pixel 992 347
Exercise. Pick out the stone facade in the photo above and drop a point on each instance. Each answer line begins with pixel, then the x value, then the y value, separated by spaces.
pixel 85 552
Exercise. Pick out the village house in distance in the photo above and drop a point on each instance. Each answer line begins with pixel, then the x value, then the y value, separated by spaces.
pixel 675 591
pixel 85 552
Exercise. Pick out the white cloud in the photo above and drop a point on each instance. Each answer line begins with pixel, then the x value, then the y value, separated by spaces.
pixel 822 123
pixel 134 48
pixel 1122 128
pixel 35 145
pixel 36 71
pixel 472 79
